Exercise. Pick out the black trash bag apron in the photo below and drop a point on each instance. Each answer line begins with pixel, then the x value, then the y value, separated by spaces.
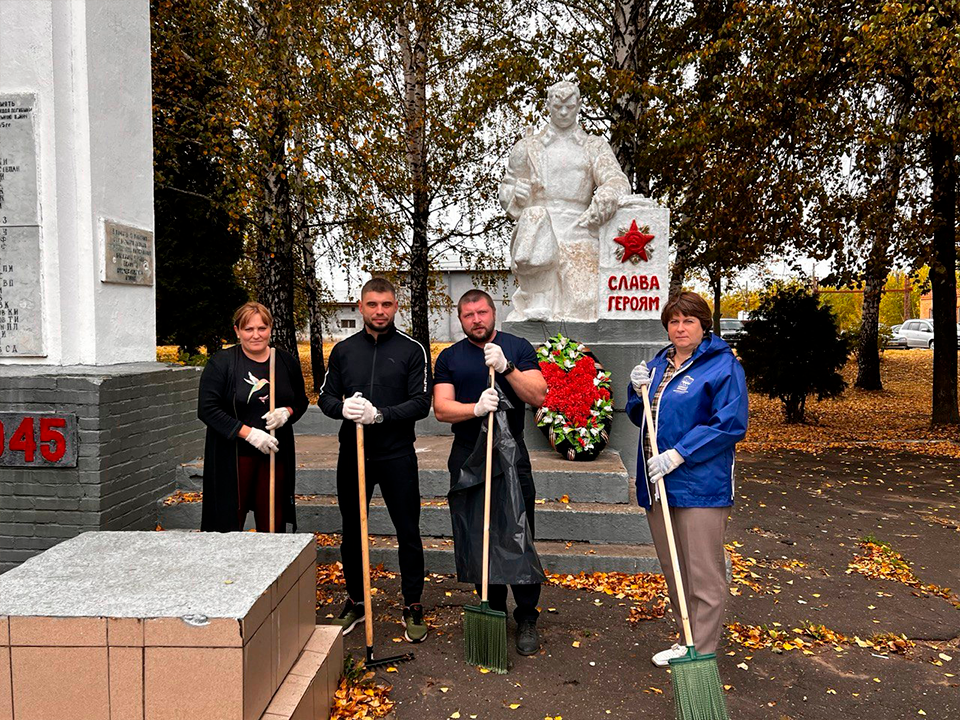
pixel 513 557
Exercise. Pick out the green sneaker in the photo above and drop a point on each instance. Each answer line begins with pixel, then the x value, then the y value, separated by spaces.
pixel 351 614
pixel 415 628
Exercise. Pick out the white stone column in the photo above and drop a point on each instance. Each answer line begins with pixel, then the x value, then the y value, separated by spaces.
pixel 84 68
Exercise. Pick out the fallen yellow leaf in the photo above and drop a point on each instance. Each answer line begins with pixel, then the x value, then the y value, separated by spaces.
pixel 391 669
pixel 514 706
pixel 443 689
pixel 576 643
pixel 944 656
pixel 455 715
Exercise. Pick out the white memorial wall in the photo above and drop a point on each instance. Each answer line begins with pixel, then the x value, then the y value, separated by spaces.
pixel 77 284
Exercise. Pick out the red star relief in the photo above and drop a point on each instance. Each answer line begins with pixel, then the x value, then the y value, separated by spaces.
pixel 634 243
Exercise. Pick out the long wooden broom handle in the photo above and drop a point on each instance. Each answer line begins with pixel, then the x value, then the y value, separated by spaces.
pixel 273 433
pixel 667 523
pixel 364 541
pixel 487 475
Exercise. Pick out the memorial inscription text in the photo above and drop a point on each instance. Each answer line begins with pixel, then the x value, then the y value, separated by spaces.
pixel 21 307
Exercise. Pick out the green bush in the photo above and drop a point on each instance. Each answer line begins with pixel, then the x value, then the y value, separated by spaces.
pixel 793 348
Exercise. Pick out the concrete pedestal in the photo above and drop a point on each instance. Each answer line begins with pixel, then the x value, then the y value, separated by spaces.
pixel 618 345
pixel 136 423
pixel 158 625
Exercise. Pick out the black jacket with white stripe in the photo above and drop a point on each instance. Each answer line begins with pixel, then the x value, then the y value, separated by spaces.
pixel 393 372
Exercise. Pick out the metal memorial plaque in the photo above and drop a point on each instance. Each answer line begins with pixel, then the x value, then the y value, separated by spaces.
pixel 21 289
pixel 38 439
pixel 127 254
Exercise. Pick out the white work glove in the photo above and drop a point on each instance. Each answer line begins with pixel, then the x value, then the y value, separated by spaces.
pixel 262 441
pixel 639 377
pixel 276 418
pixel 488 402
pixel 357 408
pixel 493 357
pixel 663 464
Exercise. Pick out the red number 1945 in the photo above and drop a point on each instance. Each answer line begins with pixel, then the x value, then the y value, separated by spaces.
pixel 52 443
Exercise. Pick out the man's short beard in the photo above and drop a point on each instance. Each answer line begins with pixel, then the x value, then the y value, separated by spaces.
pixel 371 326
pixel 485 338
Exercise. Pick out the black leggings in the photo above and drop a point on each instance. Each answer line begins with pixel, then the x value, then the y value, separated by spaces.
pixel 526 596
pixel 400 486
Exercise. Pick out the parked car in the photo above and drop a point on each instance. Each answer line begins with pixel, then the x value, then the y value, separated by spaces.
pixel 919 333
pixel 889 339
pixel 731 330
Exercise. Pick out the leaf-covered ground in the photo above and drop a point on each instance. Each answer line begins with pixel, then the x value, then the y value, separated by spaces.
pixel 842 605
pixel 897 416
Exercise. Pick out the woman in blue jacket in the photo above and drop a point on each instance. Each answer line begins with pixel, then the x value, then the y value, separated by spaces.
pixel 698 398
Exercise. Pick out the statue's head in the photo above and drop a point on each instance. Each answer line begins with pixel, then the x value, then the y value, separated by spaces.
pixel 563 103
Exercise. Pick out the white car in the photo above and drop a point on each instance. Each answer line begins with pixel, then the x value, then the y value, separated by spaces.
pixel 919 333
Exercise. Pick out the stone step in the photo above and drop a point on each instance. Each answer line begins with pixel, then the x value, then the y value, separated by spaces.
pixel 604 480
pixel 556 557
pixel 623 436
pixel 601 523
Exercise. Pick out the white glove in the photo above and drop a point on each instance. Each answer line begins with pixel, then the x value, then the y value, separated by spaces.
pixel 276 418
pixel 663 464
pixel 493 356
pixel 359 409
pixel 262 441
pixel 369 413
pixel 639 377
pixel 488 402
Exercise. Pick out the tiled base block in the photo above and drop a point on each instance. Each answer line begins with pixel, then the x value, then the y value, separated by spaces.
pixel 239 635
pixel 308 690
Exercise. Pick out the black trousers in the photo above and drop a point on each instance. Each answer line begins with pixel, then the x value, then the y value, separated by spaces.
pixel 526 596
pixel 400 486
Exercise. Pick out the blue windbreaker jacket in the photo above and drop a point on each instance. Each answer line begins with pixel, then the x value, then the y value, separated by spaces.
pixel 702 415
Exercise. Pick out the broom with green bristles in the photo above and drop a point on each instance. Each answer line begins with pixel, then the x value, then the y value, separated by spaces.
pixel 484 629
pixel 697 691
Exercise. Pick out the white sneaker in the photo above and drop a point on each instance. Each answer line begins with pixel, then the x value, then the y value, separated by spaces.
pixel 663 658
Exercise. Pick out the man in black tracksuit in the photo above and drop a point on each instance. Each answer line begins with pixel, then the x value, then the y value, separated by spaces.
pixel 380 378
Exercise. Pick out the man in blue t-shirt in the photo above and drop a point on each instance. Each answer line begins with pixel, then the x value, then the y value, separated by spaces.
pixel 462 396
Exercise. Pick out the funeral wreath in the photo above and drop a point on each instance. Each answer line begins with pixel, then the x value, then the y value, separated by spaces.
pixel 578 411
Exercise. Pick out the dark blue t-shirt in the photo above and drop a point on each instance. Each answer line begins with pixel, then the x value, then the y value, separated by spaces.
pixel 462 366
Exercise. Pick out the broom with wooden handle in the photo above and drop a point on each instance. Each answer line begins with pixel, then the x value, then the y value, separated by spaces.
pixel 273 433
pixel 697 691
pixel 365 555
pixel 485 629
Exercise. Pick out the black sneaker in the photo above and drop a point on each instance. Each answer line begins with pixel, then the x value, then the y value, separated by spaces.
pixel 351 614
pixel 415 629
pixel 528 639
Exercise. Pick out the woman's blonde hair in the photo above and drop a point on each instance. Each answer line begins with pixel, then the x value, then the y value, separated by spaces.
pixel 248 310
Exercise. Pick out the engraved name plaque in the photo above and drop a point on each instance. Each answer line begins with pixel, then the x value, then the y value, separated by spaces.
pixel 127 254
pixel 21 291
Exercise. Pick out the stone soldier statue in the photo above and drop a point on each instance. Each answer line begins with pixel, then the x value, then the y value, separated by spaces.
pixel 561 186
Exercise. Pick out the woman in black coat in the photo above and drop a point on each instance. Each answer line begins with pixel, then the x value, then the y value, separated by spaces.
pixel 234 405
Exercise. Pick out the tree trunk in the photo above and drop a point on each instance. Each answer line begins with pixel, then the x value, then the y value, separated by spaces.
pixel 315 310
pixel 413 32
pixel 629 27
pixel 276 231
pixel 275 259
pixel 878 262
pixel 943 278
pixel 717 297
